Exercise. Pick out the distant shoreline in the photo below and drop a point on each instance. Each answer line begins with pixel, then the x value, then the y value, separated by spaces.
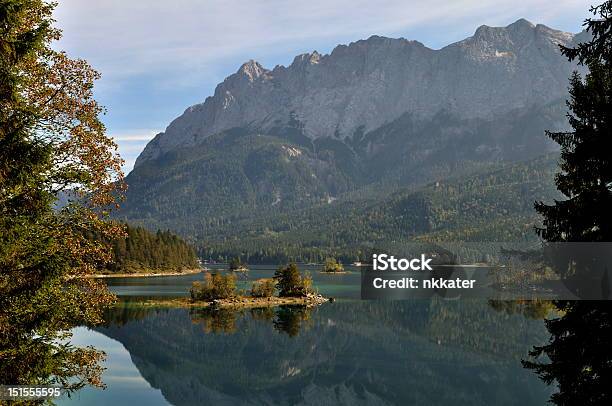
pixel 143 274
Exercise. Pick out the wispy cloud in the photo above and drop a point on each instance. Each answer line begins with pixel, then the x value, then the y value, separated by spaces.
pixel 132 149
pixel 134 135
pixel 131 143
pixel 144 36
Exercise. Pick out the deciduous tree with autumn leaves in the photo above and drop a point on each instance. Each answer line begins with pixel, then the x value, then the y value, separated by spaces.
pixel 51 142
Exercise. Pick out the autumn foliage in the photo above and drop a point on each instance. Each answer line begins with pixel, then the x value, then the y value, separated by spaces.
pixel 214 286
pixel 52 144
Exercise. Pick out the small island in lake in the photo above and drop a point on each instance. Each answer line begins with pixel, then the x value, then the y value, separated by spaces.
pixel 331 266
pixel 219 290
pixel 236 265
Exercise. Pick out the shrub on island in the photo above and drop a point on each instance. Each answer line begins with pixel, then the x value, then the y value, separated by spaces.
pixel 263 288
pixel 236 265
pixel 331 265
pixel 215 286
pixel 290 283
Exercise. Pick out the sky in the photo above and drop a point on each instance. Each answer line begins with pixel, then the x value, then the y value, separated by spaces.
pixel 158 57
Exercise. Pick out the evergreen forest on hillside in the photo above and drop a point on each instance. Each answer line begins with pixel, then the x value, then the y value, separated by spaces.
pixel 144 251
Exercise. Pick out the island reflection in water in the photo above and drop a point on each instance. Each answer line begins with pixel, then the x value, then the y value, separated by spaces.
pixel 428 352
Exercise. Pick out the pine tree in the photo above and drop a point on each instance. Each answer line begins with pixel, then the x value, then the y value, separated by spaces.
pixel 579 353
pixel 290 282
pixel 586 161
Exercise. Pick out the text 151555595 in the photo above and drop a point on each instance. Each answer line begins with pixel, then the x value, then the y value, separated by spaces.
pixel 27 392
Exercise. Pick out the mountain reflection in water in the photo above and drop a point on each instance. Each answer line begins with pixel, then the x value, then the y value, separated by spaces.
pixel 432 352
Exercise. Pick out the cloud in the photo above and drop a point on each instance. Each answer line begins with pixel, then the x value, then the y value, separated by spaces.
pixel 187 36
pixel 133 149
pixel 131 143
pixel 134 135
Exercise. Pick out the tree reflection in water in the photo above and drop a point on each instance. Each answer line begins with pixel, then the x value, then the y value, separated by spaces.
pixel 433 352
pixel 578 354
pixel 285 319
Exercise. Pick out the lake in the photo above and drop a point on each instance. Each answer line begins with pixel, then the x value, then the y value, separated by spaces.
pixel 350 352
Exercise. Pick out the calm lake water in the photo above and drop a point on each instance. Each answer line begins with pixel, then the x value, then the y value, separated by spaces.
pixel 418 352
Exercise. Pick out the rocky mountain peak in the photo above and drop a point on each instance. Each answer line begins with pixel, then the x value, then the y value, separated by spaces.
pixel 366 84
pixel 519 31
pixel 306 59
pixel 521 25
pixel 252 70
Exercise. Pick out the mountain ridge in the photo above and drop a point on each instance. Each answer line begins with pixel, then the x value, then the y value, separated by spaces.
pixel 369 83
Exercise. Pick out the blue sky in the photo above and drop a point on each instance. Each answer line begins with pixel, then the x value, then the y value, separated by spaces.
pixel 159 57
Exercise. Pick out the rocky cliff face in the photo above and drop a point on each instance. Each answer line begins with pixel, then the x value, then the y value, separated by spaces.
pixel 367 84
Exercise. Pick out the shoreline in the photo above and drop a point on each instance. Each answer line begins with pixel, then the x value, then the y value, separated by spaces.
pixel 143 274
pixel 243 302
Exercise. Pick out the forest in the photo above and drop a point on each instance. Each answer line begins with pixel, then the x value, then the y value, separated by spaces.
pixel 144 251
pixel 493 205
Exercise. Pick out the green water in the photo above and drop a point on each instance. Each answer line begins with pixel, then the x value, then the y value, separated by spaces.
pixel 350 352
pixel 342 285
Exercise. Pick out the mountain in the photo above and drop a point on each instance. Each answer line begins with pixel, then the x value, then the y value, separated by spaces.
pixel 367 84
pixel 372 118
pixel 493 206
